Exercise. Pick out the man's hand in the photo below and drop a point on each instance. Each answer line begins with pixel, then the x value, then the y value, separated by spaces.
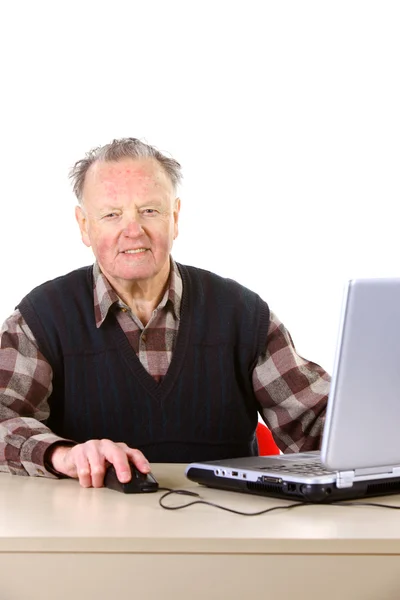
pixel 88 462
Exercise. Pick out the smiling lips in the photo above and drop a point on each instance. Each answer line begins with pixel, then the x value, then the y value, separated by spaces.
pixel 137 251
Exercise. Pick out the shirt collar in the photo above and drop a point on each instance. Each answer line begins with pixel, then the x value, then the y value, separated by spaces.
pixel 105 296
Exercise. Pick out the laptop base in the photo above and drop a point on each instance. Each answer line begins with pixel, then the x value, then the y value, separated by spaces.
pixel 296 491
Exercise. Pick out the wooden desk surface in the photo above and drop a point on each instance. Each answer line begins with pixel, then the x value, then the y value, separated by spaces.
pixel 41 517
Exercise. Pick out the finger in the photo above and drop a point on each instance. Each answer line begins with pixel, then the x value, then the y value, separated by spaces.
pixel 121 455
pixel 97 465
pixel 83 469
pixel 116 454
pixel 139 460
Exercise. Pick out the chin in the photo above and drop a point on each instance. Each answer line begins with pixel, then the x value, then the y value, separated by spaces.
pixel 138 273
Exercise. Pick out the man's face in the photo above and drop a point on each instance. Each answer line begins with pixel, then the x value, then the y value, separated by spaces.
pixel 129 216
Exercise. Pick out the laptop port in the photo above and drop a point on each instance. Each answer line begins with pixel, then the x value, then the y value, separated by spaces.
pixel 235 473
pixel 291 487
pixel 267 479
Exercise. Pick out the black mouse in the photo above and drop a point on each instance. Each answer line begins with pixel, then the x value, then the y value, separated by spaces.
pixel 140 482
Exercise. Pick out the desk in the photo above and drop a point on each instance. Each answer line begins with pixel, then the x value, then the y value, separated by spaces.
pixel 98 544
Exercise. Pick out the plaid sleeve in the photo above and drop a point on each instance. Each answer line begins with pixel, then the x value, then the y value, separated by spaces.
pixel 292 392
pixel 25 386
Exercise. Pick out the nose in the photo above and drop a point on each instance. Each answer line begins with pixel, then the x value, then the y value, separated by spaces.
pixel 133 227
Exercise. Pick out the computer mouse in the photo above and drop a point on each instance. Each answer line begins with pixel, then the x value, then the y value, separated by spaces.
pixel 140 482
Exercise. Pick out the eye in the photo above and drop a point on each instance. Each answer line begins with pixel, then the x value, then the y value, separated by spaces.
pixel 150 212
pixel 111 215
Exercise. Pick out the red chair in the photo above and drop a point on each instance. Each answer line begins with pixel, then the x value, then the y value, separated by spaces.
pixel 266 444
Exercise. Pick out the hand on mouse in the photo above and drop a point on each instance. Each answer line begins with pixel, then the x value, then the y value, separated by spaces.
pixel 88 462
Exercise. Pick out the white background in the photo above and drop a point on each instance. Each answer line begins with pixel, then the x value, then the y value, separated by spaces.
pixel 285 116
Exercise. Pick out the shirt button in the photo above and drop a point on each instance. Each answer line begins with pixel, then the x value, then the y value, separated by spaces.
pixel 40 472
pixel 144 337
pixel 123 309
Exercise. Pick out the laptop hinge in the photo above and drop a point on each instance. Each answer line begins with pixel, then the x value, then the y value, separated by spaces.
pixel 345 479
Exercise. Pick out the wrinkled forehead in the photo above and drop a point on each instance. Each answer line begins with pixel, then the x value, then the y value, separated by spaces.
pixel 126 176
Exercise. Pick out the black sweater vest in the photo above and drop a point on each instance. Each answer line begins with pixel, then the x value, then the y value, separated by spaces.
pixel 203 409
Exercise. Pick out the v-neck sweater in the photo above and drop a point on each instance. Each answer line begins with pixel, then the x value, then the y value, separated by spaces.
pixel 204 407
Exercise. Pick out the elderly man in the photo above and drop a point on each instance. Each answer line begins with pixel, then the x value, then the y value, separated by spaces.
pixel 138 358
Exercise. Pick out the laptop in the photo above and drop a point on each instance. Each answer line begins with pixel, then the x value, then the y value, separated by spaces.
pixel 360 451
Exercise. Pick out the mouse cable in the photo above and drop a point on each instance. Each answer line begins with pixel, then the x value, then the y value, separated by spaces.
pixel 169 492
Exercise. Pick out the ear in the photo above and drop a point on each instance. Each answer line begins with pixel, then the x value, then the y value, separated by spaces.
pixel 177 208
pixel 80 216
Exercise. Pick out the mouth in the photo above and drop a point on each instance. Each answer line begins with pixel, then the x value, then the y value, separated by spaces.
pixel 135 251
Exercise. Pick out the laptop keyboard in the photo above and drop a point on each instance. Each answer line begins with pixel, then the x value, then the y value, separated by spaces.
pixel 312 467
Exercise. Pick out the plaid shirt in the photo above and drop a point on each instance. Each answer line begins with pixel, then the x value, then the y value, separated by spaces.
pixel 292 392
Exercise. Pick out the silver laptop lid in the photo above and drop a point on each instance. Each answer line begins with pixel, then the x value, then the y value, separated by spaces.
pixel 362 428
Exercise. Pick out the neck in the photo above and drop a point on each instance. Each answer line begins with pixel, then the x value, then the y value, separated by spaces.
pixel 143 296
pixel 143 308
